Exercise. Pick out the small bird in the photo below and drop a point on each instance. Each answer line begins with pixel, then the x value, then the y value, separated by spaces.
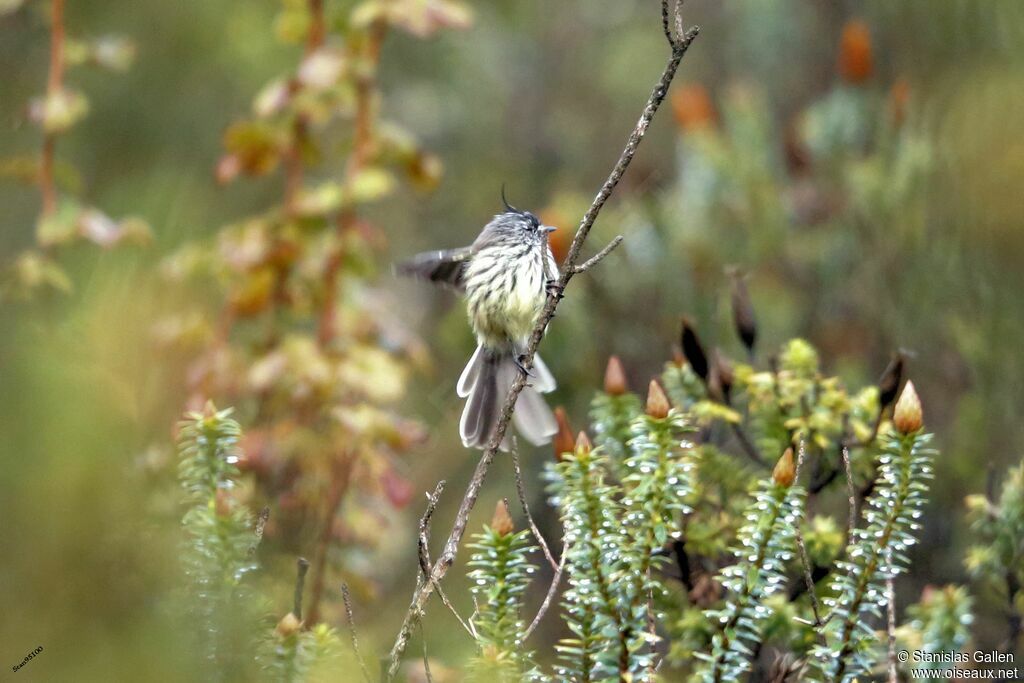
pixel 505 275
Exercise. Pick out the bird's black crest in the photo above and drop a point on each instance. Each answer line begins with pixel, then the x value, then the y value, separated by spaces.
pixel 511 209
pixel 508 207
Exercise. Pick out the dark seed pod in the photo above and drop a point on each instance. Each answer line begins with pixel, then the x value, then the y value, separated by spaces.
pixel 724 373
pixel 889 382
pixel 693 351
pixel 743 311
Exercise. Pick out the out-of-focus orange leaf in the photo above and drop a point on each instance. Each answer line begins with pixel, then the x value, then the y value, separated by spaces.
pixel 560 239
pixel 856 62
pixel 255 145
pixel 692 107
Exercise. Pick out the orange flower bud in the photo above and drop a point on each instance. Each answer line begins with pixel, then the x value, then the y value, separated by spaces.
pixel 907 416
pixel 856 63
pixel 657 402
pixel 289 625
pixel 693 108
pixel 583 444
pixel 563 441
pixel 615 377
pixel 501 522
pixel 785 469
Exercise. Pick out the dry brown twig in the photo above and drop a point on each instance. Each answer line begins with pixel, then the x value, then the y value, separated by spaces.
pixel 347 599
pixel 808 578
pixel 679 42
pixel 521 491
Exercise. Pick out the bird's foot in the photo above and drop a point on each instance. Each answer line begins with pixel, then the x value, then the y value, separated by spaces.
pixel 520 363
pixel 554 289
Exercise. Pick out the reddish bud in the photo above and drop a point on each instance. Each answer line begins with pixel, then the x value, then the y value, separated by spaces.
pixel 563 441
pixel 501 522
pixel 615 378
pixel 785 469
pixel 856 62
pixel 908 416
pixel 657 402
pixel 288 626
pixel 583 444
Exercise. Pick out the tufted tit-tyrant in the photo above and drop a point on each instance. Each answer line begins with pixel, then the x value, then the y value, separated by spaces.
pixel 504 276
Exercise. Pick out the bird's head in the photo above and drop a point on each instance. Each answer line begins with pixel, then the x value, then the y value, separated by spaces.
pixel 522 221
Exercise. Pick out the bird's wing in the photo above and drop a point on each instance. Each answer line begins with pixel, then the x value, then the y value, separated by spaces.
pixel 446 267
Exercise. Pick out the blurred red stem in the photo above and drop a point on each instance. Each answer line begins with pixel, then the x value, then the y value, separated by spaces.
pixel 362 144
pixel 341 475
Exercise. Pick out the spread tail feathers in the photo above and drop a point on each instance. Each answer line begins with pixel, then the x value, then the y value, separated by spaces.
pixel 485 383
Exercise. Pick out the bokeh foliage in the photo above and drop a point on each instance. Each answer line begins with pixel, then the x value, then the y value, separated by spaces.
pixel 870 207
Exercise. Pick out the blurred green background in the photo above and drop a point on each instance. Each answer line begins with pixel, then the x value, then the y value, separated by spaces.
pixel 873 210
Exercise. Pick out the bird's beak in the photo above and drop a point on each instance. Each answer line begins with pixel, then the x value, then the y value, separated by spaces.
pixel 549 229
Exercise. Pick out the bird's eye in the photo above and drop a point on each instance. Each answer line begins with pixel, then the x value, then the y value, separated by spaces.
pixel 533 223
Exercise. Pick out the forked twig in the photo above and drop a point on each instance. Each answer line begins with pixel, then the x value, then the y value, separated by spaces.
pixel 424 556
pixel 599 256
pixel 679 44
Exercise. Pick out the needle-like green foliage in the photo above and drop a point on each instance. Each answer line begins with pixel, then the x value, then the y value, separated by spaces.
pixel 219 537
pixel 500 576
pixel 764 545
pixel 875 552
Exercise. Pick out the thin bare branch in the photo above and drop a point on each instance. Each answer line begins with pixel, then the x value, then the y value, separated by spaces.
pixel 426 660
pixel 851 494
pixel 424 556
pixel 423 544
pixel 347 599
pixel 599 256
pixel 521 490
pixel 808 578
pixel 302 565
pixel 549 598
pixel 679 45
